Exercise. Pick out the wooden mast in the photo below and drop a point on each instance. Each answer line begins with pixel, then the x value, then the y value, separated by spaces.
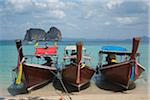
pixel 79 57
pixel 134 67
pixel 135 45
pixel 19 48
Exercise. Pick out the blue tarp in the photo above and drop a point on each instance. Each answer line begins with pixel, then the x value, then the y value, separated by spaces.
pixel 113 48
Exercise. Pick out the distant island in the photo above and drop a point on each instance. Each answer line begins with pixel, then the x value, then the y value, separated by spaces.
pixel 37 34
pixel 143 39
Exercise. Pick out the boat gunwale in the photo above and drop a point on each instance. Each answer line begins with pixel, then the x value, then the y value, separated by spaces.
pixel 117 65
pixel 114 65
pixel 37 85
pixel 40 66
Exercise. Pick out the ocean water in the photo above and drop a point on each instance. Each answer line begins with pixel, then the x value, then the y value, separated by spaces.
pixel 8 57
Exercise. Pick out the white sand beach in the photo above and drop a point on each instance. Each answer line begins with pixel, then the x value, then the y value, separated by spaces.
pixel 92 93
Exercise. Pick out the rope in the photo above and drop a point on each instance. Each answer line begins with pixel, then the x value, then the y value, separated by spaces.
pixel 59 77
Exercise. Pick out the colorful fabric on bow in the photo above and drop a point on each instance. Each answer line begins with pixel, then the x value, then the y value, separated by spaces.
pixel 134 70
pixel 18 80
pixel 19 66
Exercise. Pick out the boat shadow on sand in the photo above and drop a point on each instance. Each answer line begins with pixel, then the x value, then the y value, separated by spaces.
pixel 99 80
pixel 102 83
pixel 57 84
pixel 14 89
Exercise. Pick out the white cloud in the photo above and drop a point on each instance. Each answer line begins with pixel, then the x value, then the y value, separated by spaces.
pixel 55 14
pixel 70 5
pixel 126 20
pixel 19 5
pixel 56 5
pixel 92 13
pixel 37 8
pixel 40 4
pixel 55 8
pixel 64 13
pixel 58 14
pixel 113 3
pixel 107 23
pixel 72 25
pixel 89 14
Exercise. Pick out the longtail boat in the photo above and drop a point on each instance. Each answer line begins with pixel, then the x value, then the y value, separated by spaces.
pixel 122 73
pixel 76 71
pixel 36 75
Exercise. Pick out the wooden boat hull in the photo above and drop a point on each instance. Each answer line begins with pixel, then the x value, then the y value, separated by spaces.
pixel 34 76
pixel 120 73
pixel 69 74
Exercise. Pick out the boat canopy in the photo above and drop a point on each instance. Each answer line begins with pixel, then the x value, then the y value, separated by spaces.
pixel 118 50
pixel 52 50
pixel 114 48
pixel 72 47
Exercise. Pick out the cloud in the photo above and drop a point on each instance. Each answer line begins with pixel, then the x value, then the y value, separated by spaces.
pixel 58 14
pixel 71 5
pixel 107 23
pixel 72 25
pixel 113 3
pixel 40 4
pixel 18 5
pixel 131 7
pixel 22 4
pixel 54 9
pixel 49 4
pixel 89 14
pixel 37 8
pixel 126 20
pixel 89 18
pixel 50 15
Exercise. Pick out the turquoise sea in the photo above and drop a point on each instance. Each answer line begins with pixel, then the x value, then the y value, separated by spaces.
pixel 8 57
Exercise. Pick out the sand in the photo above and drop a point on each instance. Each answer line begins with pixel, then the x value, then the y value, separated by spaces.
pixel 93 92
pixel 87 97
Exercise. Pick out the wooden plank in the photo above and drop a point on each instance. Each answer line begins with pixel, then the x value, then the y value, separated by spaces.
pixel 41 66
pixel 37 85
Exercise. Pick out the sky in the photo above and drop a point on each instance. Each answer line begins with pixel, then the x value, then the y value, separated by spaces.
pixel 90 19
